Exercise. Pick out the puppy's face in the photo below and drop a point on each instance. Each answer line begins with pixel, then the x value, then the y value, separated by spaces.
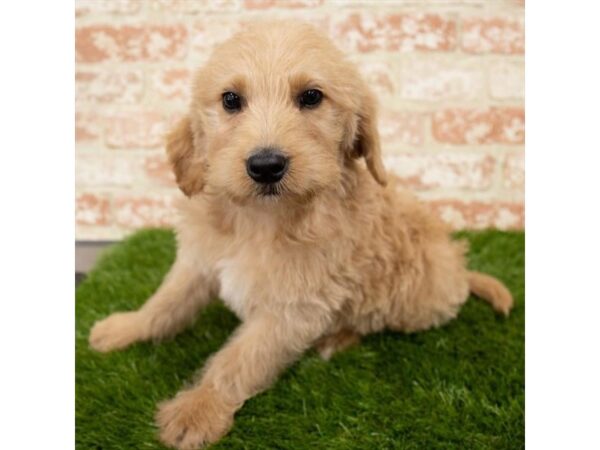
pixel 276 114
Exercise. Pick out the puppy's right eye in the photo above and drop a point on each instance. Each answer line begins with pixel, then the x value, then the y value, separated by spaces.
pixel 232 102
pixel 310 98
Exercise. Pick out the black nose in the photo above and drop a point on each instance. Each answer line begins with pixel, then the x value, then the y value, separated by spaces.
pixel 267 166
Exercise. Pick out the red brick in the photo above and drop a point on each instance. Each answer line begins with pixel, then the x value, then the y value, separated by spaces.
pixel 265 4
pixel 479 126
pixel 400 127
pixel 109 86
pixel 480 214
pixel 84 7
pixel 379 76
pixel 134 211
pixel 513 171
pixel 194 6
pixel 135 129
pixel 436 79
pixel 485 3
pixel 427 3
pixel 172 83
pixel 493 35
pixel 447 171
pixel 368 32
pixel 510 125
pixel 92 209
pixel 158 170
pixel 128 43
pixel 88 126
pixel 206 34
pixel 105 169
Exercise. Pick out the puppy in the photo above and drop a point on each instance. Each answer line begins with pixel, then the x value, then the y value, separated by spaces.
pixel 289 217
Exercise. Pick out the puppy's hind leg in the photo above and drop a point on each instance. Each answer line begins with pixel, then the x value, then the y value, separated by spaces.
pixel 173 307
pixel 331 344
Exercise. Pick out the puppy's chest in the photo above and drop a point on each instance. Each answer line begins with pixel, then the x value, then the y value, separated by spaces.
pixel 235 285
pixel 252 280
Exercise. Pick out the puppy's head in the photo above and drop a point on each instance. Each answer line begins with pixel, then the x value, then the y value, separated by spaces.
pixel 278 113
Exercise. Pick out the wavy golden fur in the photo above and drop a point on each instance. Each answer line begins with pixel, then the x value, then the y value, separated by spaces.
pixel 339 252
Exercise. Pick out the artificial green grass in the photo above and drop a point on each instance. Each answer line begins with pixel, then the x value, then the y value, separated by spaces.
pixel 461 386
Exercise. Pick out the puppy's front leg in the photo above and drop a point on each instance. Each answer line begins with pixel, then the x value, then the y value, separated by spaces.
pixel 249 363
pixel 183 292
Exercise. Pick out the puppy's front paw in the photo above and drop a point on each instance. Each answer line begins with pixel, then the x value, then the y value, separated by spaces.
pixel 194 419
pixel 116 331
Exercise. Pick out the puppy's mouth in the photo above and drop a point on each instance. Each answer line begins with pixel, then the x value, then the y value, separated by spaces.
pixel 269 190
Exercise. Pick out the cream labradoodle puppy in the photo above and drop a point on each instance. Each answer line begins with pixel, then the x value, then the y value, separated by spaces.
pixel 289 217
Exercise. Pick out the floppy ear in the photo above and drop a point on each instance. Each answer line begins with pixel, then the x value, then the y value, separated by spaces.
pixel 365 137
pixel 187 165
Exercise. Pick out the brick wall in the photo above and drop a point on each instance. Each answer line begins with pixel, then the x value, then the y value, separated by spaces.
pixel 449 75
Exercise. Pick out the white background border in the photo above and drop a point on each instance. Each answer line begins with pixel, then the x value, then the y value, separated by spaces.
pixel 563 225
pixel 37 208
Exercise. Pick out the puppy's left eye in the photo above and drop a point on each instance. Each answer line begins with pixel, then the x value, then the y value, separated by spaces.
pixel 310 98
pixel 232 102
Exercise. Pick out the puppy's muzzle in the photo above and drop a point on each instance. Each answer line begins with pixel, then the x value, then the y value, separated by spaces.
pixel 267 166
